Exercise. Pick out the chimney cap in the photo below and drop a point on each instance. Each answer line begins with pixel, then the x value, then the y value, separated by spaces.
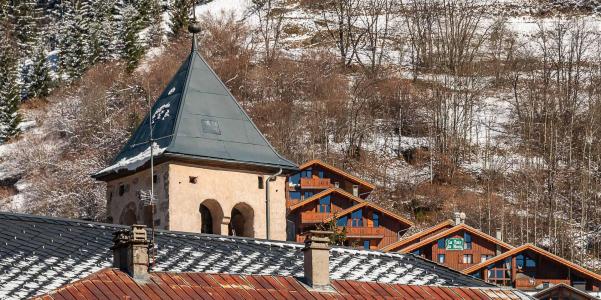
pixel 318 236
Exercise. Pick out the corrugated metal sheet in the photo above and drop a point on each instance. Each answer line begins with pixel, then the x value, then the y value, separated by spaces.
pixel 114 284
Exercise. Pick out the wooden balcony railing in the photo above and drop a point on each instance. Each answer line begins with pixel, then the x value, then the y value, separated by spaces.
pixel 315 183
pixel 526 283
pixel 365 232
pixel 314 217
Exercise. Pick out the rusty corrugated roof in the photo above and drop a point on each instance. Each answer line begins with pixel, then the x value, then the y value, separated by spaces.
pixel 114 284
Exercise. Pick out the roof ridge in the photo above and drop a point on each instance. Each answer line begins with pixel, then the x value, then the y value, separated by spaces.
pixel 181 102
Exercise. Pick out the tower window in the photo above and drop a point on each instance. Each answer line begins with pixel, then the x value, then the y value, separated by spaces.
pixel 210 126
pixel 121 190
pixel 155 178
pixel 260 178
pixel 193 179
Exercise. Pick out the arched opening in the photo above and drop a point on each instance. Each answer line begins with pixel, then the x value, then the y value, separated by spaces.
pixel 128 215
pixel 242 221
pixel 211 217
pixel 206 220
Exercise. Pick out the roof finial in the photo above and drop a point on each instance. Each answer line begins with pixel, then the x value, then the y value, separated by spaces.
pixel 194 28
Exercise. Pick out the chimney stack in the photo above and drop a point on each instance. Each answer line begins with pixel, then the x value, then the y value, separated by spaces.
pixel 499 236
pixel 459 218
pixel 317 259
pixel 130 252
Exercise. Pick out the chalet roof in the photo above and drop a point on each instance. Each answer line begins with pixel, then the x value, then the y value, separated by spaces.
pixel 196 117
pixel 537 250
pixel 338 171
pixel 410 239
pixel 550 292
pixel 40 254
pixel 360 203
pixel 453 230
pixel 163 285
pixel 373 206
pixel 325 193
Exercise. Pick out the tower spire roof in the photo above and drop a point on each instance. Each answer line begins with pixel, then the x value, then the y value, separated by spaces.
pixel 197 118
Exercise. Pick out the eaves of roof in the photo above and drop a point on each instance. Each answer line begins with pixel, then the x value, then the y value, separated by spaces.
pixel 338 171
pixel 537 250
pixel 453 230
pixel 413 237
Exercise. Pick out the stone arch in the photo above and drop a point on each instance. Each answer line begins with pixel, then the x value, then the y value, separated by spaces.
pixel 242 220
pixel 128 215
pixel 211 216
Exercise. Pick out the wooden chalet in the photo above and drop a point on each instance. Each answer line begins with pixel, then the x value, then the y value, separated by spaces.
pixel 366 224
pixel 531 268
pixel 316 176
pixel 563 292
pixel 419 236
pixel 458 247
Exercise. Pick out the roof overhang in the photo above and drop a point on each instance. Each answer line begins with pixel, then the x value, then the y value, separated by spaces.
pixel 453 230
pixel 201 162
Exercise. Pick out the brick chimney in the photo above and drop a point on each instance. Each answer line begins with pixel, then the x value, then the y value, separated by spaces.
pixel 130 252
pixel 317 259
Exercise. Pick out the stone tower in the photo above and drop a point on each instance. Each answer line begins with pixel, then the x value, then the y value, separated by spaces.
pixel 211 164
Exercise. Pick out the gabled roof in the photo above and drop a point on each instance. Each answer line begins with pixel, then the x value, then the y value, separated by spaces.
pixel 373 206
pixel 453 230
pixel 360 203
pixel 537 250
pixel 340 172
pixel 548 292
pixel 163 285
pixel 40 254
pixel 196 117
pixel 402 243
pixel 325 193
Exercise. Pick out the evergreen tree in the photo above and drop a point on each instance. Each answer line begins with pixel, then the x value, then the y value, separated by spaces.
pixel 74 39
pixel 24 15
pixel 102 30
pixel 40 75
pixel 132 48
pixel 9 90
pixel 155 23
pixel 180 15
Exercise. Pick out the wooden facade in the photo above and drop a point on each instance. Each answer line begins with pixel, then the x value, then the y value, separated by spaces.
pixel 316 176
pixel 322 193
pixel 419 236
pixel 365 224
pixel 475 247
pixel 531 268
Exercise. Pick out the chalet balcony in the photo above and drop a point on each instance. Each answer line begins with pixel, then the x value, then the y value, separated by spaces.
pixel 315 183
pixel 362 232
pixel 531 284
pixel 314 217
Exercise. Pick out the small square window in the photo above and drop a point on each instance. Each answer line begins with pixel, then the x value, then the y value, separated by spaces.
pixel 210 126
pixel 441 258
pixel 468 259
pixel 193 179
pixel 260 178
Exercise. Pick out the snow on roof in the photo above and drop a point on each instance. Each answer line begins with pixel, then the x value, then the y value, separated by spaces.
pixel 134 162
pixel 39 254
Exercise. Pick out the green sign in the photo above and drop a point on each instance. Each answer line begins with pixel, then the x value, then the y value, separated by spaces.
pixel 454 244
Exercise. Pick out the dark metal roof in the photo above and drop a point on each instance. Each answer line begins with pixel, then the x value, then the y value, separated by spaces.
pixel 197 117
pixel 161 285
pixel 40 254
